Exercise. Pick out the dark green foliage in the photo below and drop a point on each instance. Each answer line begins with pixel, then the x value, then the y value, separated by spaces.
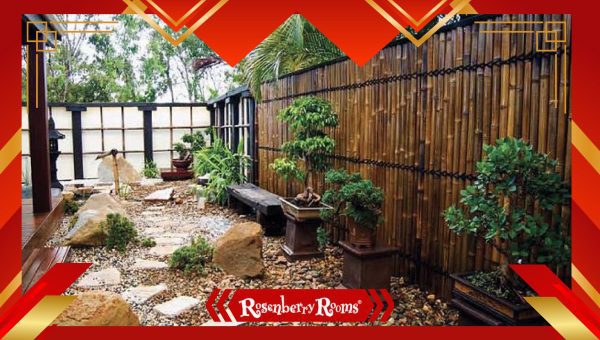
pixel 495 284
pixel 223 166
pixel 71 207
pixel 147 242
pixel 193 258
pixel 307 118
pixel 353 197
pixel 120 230
pixel 196 141
pixel 322 237
pixel 516 192
pixel 150 170
pixel 182 150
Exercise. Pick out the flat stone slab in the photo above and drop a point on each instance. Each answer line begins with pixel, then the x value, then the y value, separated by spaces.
pixel 148 182
pixel 153 231
pixel 151 213
pixel 142 294
pixel 163 251
pixel 178 305
pixel 155 208
pixel 160 195
pixel 173 241
pixel 141 264
pixel 106 277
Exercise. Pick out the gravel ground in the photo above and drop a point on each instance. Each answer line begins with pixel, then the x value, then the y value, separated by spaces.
pixel 412 306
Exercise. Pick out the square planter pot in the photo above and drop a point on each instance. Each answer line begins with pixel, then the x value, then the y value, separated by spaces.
pixel 367 267
pixel 301 239
pixel 481 307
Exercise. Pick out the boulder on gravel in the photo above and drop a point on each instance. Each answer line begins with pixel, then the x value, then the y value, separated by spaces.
pixel 98 308
pixel 239 251
pixel 127 173
pixel 87 230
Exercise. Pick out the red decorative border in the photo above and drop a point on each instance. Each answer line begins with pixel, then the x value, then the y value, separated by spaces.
pixel 360 32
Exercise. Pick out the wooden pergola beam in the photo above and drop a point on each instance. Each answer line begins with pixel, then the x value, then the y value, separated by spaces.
pixel 38 128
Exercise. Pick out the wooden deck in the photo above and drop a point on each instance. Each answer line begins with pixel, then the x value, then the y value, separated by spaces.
pixel 39 262
pixel 37 228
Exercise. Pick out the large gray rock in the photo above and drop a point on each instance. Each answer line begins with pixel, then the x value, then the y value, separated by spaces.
pixel 98 308
pixel 127 173
pixel 87 230
pixel 239 251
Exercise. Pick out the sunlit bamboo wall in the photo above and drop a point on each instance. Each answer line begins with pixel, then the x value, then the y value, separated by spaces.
pixel 418 133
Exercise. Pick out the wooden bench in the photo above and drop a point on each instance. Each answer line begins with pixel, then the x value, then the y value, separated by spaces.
pixel 39 263
pixel 267 206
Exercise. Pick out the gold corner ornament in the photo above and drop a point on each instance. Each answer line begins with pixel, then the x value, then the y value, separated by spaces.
pixel 458 7
pixel 560 318
pixel 39 317
pixel 139 8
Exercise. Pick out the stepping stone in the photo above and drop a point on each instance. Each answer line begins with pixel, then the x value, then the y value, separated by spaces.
pixel 105 277
pixel 141 264
pixel 160 195
pixel 163 251
pixel 142 294
pixel 174 241
pixel 177 306
pixel 155 208
pixel 153 231
pixel 149 182
pixel 151 213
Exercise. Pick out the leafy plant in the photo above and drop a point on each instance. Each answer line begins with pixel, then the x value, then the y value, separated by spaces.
pixel 511 203
pixel 223 166
pixel 193 258
pixel 196 141
pixel 493 282
pixel 352 196
pixel 182 150
pixel 295 45
pixel 120 231
pixel 71 207
pixel 147 242
pixel 124 191
pixel 322 237
pixel 307 153
pixel 150 170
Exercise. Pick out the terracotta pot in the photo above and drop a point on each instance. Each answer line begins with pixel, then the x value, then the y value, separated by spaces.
pixel 181 164
pixel 361 237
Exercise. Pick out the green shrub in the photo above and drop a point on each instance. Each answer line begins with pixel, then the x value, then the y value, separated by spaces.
pixel 71 207
pixel 223 166
pixel 510 203
pixel 150 170
pixel 196 141
pixel 192 258
pixel 308 118
pixel 354 197
pixel 147 242
pixel 322 237
pixel 120 230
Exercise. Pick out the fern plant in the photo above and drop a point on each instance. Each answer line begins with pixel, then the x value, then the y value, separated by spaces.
pixel 223 166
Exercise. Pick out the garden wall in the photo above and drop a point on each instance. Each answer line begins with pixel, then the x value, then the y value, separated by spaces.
pixel 414 120
pixel 103 126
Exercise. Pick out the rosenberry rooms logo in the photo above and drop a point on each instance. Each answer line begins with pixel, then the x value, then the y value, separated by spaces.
pixel 320 307
pixel 289 305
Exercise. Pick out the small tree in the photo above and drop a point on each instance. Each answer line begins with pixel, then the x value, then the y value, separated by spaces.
pixel 510 205
pixel 307 153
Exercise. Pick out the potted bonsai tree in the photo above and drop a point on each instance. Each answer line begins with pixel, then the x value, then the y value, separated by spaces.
pixel 357 199
pixel 184 159
pixel 512 205
pixel 190 144
pixel 359 202
pixel 304 156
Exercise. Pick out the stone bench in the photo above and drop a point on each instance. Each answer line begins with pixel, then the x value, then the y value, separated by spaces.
pixel 267 206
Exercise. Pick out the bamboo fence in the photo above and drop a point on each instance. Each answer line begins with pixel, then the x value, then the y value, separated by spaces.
pixel 414 120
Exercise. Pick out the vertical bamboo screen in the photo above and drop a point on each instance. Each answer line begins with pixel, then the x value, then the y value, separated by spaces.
pixel 414 120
